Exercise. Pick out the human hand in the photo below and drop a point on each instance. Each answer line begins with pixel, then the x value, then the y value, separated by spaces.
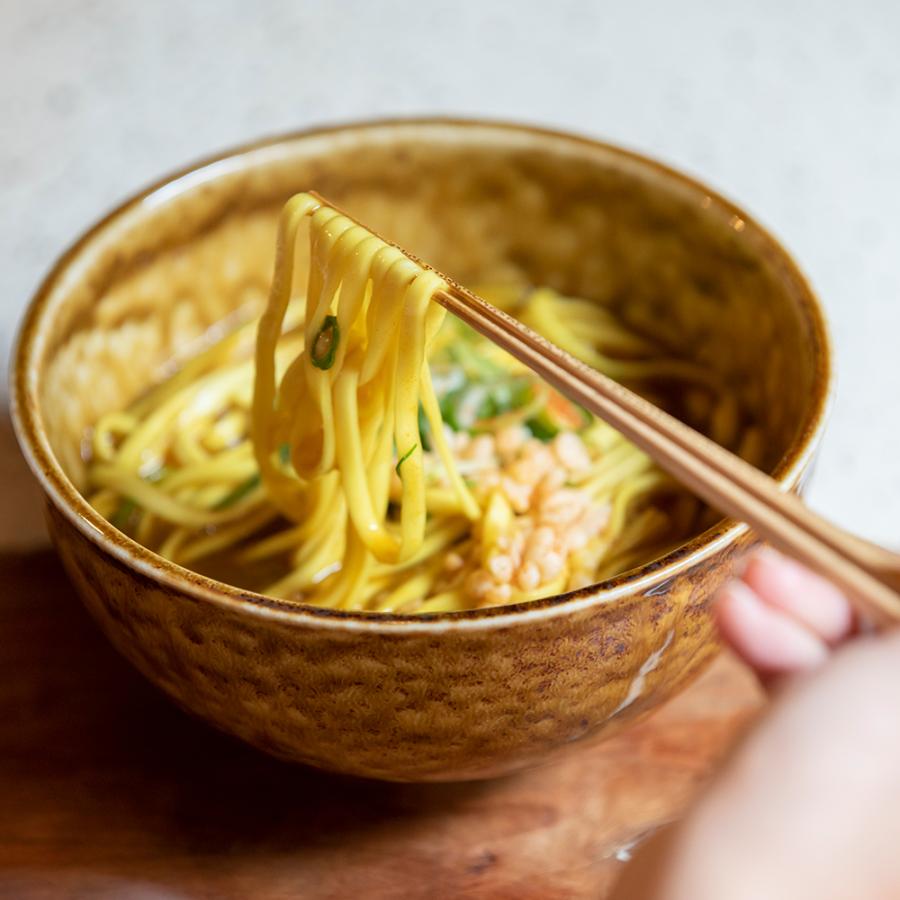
pixel 779 617
pixel 809 802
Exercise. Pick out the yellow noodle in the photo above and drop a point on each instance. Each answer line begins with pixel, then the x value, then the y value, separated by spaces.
pixel 311 456
pixel 224 537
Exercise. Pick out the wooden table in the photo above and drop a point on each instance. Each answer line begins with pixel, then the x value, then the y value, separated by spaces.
pixel 108 791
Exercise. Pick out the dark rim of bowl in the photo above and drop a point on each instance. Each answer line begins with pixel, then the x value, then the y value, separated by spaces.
pixel 135 558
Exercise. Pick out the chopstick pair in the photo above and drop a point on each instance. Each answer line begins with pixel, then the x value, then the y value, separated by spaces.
pixel 867 573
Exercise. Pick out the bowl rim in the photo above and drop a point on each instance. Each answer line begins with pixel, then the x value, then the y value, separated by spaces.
pixel 132 557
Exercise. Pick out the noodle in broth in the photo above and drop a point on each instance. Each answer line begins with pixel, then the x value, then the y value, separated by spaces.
pixel 373 453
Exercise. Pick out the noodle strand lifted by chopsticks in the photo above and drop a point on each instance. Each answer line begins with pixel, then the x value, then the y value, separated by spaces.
pixel 372 455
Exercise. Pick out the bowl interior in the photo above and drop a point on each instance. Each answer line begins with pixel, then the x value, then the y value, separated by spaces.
pixel 481 202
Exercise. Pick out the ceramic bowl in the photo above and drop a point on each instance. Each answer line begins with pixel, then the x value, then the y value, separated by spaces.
pixel 449 696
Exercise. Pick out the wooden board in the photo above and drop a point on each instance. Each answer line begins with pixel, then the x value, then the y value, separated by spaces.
pixel 107 790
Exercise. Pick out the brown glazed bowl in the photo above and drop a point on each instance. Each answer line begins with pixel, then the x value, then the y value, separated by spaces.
pixel 440 697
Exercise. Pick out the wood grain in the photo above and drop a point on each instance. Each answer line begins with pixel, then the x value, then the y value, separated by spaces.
pixel 107 790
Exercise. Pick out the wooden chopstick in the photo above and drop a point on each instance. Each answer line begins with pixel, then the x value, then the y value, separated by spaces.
pixel 866 572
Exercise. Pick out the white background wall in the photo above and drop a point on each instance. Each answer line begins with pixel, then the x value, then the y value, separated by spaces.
pixel 791 107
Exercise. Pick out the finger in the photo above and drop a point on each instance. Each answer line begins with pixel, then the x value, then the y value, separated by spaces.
pixel 763 636
pixel 807 598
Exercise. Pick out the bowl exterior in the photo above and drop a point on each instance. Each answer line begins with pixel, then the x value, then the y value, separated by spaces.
pixel 448 697
pixel 416 706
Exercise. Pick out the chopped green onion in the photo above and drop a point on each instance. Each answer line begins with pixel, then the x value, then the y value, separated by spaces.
pixel 449 403
pixel 126 509
pixel 505 396
pixel 558 415
pixel 542 427
pixel 284 453
pixel 404 458
pixel 424 429
pixel 470 405
pixel 241 491
pixel 463 408
pixel 325 344
pixel 123 513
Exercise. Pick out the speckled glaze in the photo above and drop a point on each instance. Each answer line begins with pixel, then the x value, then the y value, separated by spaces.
pixel 450 696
